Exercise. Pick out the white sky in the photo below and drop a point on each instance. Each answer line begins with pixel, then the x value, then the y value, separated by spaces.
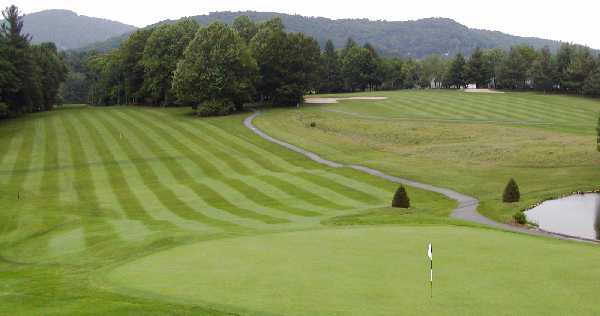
pixel 573 20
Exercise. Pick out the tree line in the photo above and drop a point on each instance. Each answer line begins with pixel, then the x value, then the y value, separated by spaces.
pixel 572 69
pixel 216 69
pixel 220 67
pixel 30 75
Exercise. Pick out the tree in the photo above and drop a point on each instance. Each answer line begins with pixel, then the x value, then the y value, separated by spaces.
pixel 476 70
pixel 245 27
pixel 401 199
pixel 581 64
pixel 132 52
pixel 22 91
pixel 493 61
pixel 598 135
pixel 543 71
pixel 511 192
pixel 288 64
pixel 217 72
pixel 331 77
pixel 591 85
pixel 456 73
pixel 516 68
pixel 358 68
pixel 164 48
pixel 52 73
pixel 432 70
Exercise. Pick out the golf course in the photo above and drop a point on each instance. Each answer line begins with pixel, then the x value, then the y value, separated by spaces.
pixel 140 210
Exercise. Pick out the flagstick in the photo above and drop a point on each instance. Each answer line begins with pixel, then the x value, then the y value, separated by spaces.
pixel 431 278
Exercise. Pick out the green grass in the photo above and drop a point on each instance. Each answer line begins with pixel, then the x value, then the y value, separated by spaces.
pixel 130 210
pixel 373 271
pixel 473 143
pixel 100 187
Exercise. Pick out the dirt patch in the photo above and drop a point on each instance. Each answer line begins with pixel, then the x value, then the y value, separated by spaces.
pixel 335 100
pixel 482 91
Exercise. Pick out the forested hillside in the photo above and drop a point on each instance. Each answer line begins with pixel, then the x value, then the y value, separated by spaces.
pixel 70 31
pixel 415 39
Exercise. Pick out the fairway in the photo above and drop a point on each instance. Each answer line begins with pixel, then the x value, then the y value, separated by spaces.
pixel 470 142
pixel 138 210
pixel 83 188
pixel 374 271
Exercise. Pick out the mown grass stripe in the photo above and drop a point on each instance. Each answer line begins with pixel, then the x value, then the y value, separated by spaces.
pixel 152 181
pixel 153 196
pixel 265 200
pixel 66 176
pixel 96 231
pixel 301 193
pixel 33 176
pixel 127 200
pixel 22 161
pixel 234 146
pixel 140 189
pixel 175 168
pixel 345 190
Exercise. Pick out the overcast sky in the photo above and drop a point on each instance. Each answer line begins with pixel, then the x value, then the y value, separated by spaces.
pixel 573 20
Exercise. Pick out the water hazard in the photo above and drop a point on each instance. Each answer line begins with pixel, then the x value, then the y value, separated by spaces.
pixel 576 215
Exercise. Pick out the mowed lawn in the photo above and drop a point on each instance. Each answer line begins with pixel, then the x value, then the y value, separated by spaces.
pixel 470 142
pixel 85 188
pixel 129 210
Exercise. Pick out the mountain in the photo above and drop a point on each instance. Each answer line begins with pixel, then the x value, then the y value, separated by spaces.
pixel 407 39
pixel 69 30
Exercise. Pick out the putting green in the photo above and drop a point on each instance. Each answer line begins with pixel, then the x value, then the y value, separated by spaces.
pixel 373 271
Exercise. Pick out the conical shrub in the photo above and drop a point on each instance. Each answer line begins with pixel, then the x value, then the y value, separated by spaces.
pixel 511 192
pixel 401 199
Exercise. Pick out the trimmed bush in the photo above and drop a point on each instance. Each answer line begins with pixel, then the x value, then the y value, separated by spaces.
pixel 520 218
pixel 216 108
pixel 401 199
pixel 511 192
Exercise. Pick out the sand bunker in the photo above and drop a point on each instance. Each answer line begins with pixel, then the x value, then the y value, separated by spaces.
pixel 482 91
pixel 335 100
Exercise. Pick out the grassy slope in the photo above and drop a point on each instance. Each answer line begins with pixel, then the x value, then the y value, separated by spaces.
pixel 472 143
pixel 100 187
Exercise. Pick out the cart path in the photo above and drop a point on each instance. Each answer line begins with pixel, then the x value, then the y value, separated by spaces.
pixel 467 205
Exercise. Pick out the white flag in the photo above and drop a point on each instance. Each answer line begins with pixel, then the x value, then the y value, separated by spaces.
pixel 430 252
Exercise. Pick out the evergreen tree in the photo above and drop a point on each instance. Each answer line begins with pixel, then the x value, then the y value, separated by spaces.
pixel 591 85
pixel 543 71
pixel 456 74
pixel 21 92
pixel 401 199
pixel 331 80
pixel 475 70
pixel 511 192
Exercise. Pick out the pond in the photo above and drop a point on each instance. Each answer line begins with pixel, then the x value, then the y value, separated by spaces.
pixel 576 215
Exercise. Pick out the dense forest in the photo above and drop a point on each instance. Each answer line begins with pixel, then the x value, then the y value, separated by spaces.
pixel 219 68
pixel 416 39
pixel 30 75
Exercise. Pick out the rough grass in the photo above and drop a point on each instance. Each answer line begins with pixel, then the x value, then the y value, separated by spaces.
pixel 473 143
pixel 102 186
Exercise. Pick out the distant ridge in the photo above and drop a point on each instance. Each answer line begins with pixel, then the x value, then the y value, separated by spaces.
pixel 71 31
pixel 406 39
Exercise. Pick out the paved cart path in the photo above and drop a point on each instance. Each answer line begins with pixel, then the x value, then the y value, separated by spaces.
pixel 467 205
